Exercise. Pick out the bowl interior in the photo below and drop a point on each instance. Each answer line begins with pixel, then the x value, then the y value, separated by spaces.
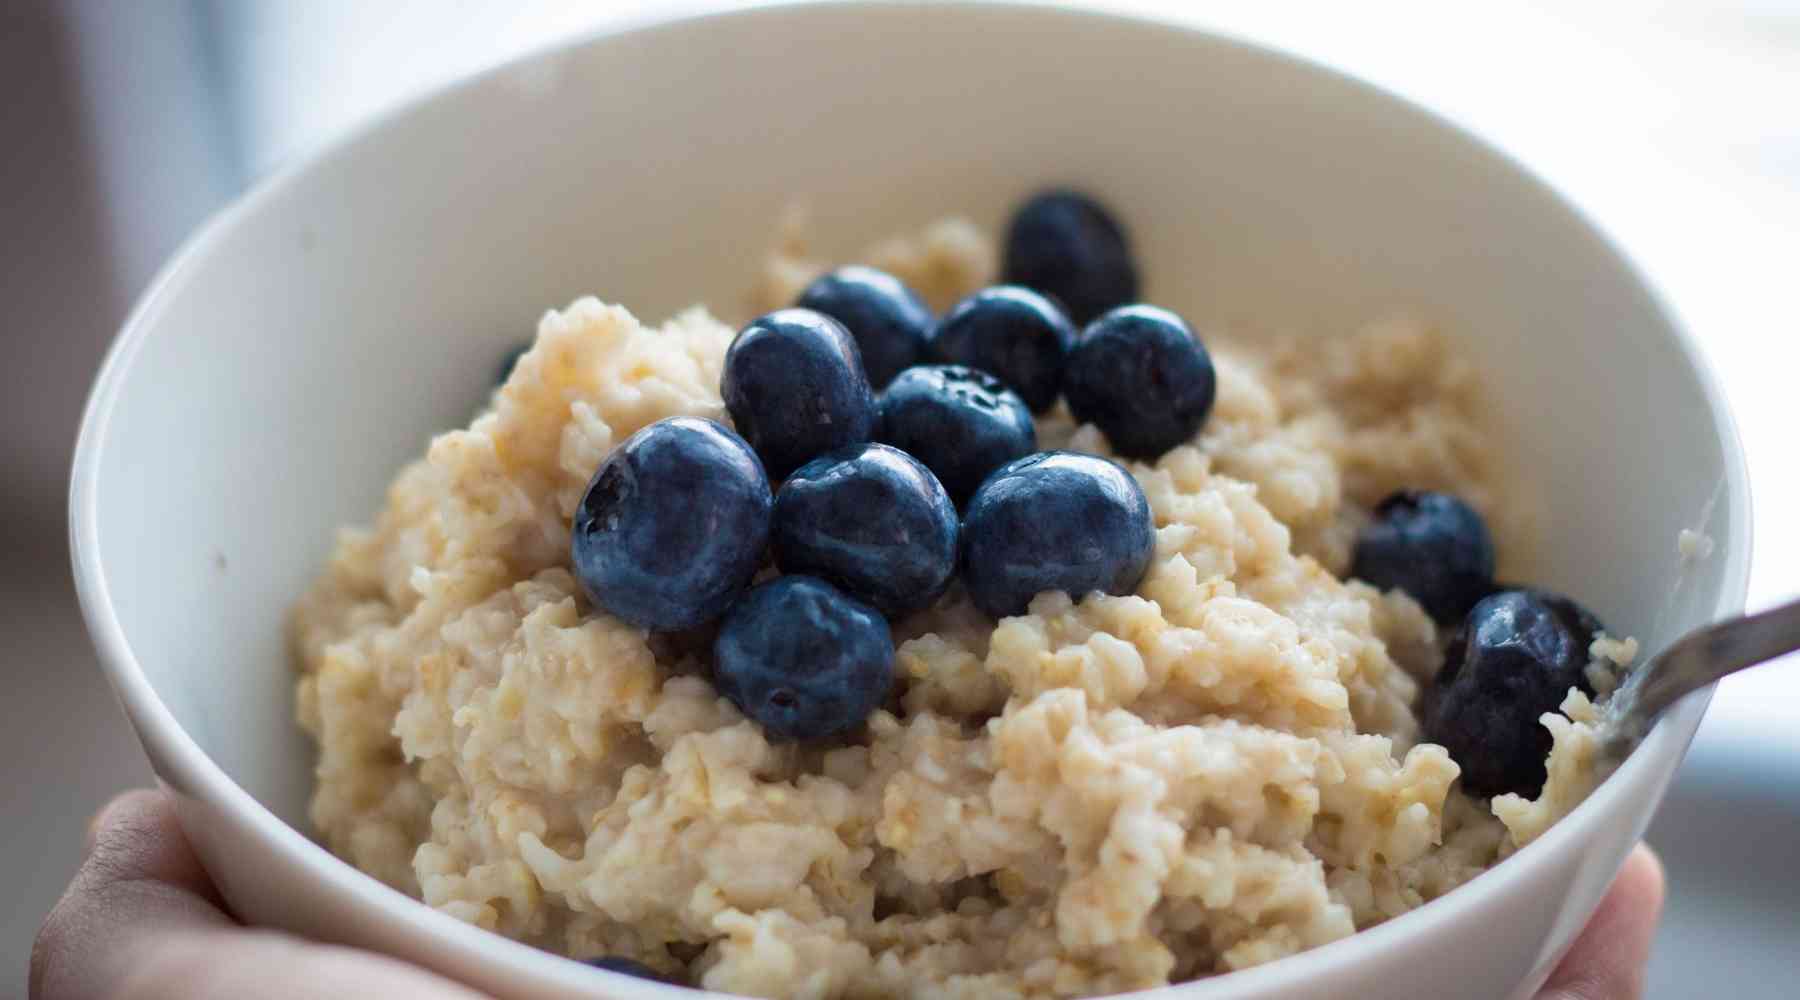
pixel 309 343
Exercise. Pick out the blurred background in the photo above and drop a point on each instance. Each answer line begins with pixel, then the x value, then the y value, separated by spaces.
pixel 125 123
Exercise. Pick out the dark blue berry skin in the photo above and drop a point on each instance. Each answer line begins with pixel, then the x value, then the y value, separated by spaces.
pixel 795 387
pixel 1141 376
pixel 872 521
pixel 1514 658
pixel 889 320
pixel 1430 545
pixel 626 966
pixel 1064 244
pixel 961 422
pixel 803 659
pixel 1012 333
pixel 672 525
pixel 510 361
pixel 1056 520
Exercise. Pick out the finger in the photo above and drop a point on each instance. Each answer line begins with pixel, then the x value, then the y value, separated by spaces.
pixel 139 874
pixel 142 920
pixel 136 838
pixel 233 964
pixel 1608 959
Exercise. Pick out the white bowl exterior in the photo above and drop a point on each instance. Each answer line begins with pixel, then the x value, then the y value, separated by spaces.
pixel 308 342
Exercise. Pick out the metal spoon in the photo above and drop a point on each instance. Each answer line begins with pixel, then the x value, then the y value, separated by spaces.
pixel 1691 662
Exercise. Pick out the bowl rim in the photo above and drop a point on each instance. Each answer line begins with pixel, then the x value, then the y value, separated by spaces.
pixel 170 746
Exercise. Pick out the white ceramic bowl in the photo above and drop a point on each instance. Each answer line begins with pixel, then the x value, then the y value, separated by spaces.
pixel 309 340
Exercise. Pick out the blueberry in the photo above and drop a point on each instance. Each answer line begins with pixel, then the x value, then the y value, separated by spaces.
pixel 1056 520
pixel 510 360
pixel 672 525
pixel 1430 545
pixel 803 659
pixel 626 966
pixel 1141 376
pixel 795 388
pixel 962 423
pixel 873 522
pixel 1012 333
pixel 1064 244
pixel 1514 658
pixel 889 320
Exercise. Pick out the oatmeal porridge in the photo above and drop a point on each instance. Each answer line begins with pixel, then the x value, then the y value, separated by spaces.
pixel 1104 793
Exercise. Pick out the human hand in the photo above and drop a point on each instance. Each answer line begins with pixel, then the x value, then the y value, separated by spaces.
pixel 142 921
pixel 1607 960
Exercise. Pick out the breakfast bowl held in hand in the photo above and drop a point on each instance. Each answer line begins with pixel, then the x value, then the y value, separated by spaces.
pixel 1224 760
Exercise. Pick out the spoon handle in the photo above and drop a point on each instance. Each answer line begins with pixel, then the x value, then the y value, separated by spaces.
pixel 1702 657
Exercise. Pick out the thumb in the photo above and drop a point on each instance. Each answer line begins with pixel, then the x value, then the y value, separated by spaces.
pixel 1608 959
pixel 142 919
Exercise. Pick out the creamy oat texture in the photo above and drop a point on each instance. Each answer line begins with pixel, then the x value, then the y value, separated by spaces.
pixel 1097 796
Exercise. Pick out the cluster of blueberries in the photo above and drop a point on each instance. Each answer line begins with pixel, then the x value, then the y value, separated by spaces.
pixel 905 454
pixel 880 451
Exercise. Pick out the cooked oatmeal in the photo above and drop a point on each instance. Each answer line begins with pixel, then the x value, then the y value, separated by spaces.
pixel 1214 772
